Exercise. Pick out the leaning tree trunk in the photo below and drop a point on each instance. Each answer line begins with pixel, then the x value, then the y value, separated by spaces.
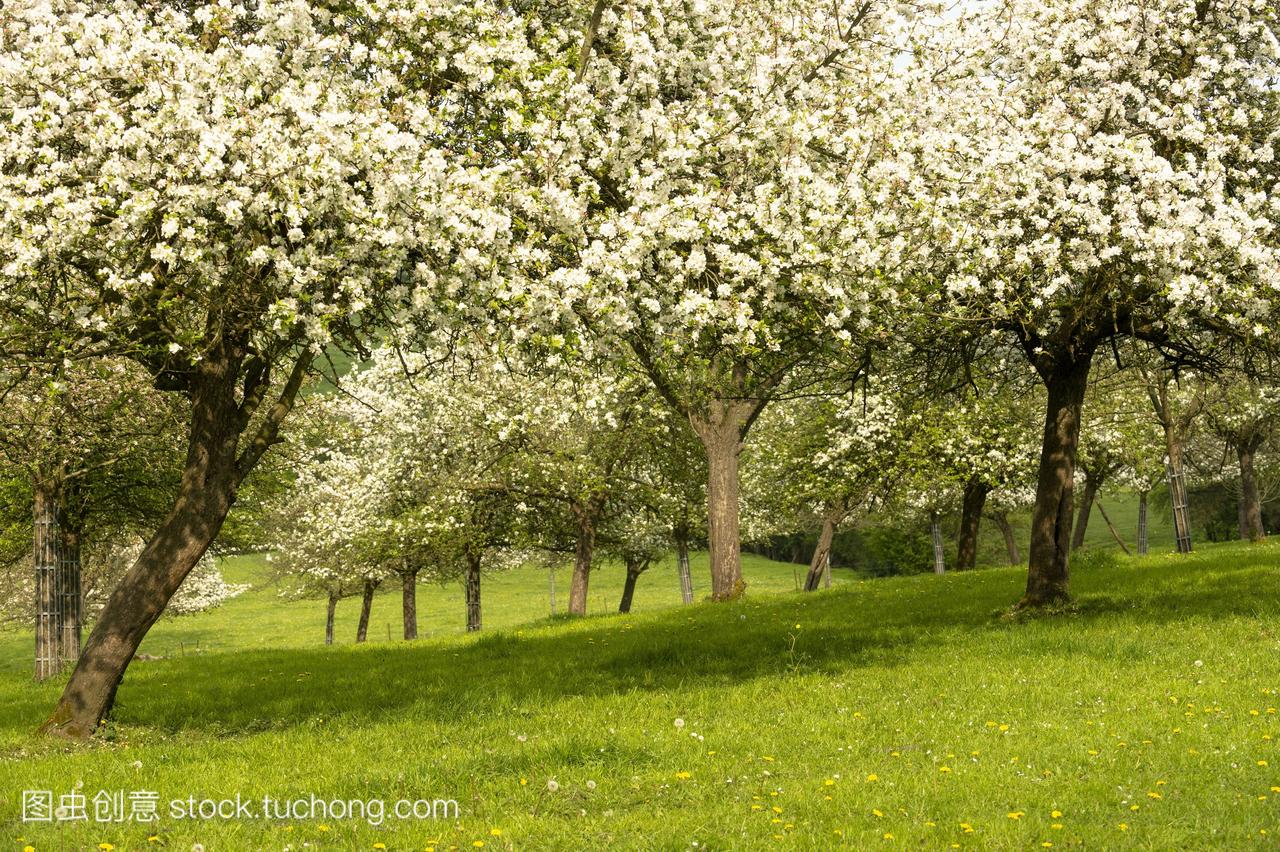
pixel 71 607
pixel 409 602
pixel 1047 570
pixel 975 500
pixel 366 607
pixel 1142 523
pixel 822 552
pixel 48 587
pixel 1250 500
pixel 721 435
pixel 222 403
pixel 330 615
pixel 634 569
pixel 1092 483
pixel 1001 520
pixel 471 582
pixel 682 567
pixel 935 533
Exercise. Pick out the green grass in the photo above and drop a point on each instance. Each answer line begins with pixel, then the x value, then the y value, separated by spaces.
pixel 906 712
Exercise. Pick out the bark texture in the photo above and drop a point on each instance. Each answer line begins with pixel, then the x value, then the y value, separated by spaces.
pixel 409 602
pixel 1048 570
pixel 1001 520
pixel 366 607
pixel 330 614
pixel 820 564
pixel 721 434
pixel 586 516
pixel 226 388
pixel 1250 499
pixel 975 500
pixel 634 569
pixel 1090 492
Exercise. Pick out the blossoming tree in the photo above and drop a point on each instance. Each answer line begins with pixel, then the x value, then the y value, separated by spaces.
pixel 1092 172
pixel 706 208
pixel 221 192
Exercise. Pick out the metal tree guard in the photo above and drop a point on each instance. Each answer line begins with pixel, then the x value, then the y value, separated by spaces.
pixel 1142 524
pixel 1178 496
pixel 935 528
pixel 48 588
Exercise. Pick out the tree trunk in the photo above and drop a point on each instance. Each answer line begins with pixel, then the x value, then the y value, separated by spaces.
pixel 71 608
pixel 1250 500
pixel 1001 520
pixel 721 435
pixel 822 552
pixel 1091 485
pixel 409 602
pixel 682 566
pixel 935 533
pixel 634 570
pixel 222 404
pixel 366 606
pixel 48 587
pixel 583 551
pixel 1047 570
pixel 329 618
pixel 975 499
pixel 472 591
pixel 1142 523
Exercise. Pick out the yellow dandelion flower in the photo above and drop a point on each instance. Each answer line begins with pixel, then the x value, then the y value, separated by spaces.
pixel 873 777
pixel 1004 727
pixel 1057 826
pixel 888 836
pixel 524 781
pixel 830 782
pixel 757 807
pixel 944 769
pixel 1016 814
pixel 495 832
pixel 477 843
pixel 1046 844
pixel 1056 814
pixel 379 846
pixel 323 827
pixel 682 775
pixel 1262 763
pixel 877 812
pixel 1124 826
pixel 777 810
pixel 106 847
pixel 1134 807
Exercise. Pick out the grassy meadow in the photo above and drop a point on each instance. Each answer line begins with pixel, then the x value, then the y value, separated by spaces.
pixel 898 713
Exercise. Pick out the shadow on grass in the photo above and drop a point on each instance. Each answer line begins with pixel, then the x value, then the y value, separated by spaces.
pixel 878 623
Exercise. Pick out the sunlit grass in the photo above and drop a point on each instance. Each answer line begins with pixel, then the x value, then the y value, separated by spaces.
pixel 891 713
